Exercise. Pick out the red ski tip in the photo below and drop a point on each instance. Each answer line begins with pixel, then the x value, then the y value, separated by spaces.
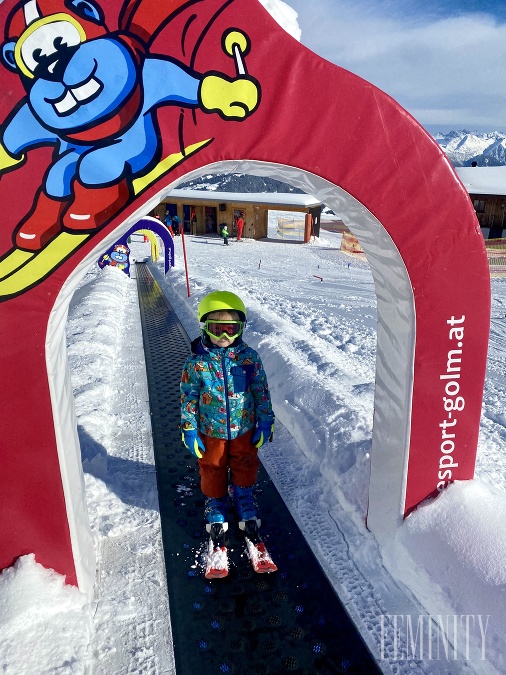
pixel 265 567
pixel 217 562
pixel 216 574
pixel 260 558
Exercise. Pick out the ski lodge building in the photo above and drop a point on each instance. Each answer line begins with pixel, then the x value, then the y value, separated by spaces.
pixel 206 211
pixel 487 190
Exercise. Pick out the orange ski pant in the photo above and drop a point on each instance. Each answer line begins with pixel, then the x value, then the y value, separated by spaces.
pixel 238 455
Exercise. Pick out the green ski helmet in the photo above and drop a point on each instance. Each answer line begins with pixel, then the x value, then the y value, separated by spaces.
pixel 219 301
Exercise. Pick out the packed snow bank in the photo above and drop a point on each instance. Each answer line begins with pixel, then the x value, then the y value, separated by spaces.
pixel 451 553
pixel 471 539
pixel 43 622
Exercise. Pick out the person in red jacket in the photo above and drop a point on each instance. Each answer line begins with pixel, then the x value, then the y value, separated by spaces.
pixel 240 226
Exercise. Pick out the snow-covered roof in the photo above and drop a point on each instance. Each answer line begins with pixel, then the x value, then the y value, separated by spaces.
pixel 483 180
pixel 281 199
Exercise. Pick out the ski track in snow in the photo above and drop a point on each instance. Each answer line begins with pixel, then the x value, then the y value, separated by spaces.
pixel 493 418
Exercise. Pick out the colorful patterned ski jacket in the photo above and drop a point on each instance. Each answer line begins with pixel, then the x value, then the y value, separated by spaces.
pixel 224 391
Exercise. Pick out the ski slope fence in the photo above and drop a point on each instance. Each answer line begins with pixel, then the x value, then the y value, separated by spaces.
pixel 496 254
pixel 351 245
pixel 290 228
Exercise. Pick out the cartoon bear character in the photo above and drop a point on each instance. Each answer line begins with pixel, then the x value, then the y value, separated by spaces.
pixel 118 257
pixel 93 95
pixel 206 398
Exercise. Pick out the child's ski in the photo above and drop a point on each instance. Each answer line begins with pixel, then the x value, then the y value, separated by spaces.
pixel 255 547
pixel 20 270
pixel 217 556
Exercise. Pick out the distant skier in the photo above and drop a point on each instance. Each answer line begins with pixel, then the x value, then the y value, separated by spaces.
pixel 224 234
pixel 168 223
pixel 240 226
pixel 176 224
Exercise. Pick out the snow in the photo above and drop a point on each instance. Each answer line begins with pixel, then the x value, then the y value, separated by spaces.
pixel 285 15
pixel 36 606
pixel 317 340
pixel 312 317
pixel 483 180
pixel 280 198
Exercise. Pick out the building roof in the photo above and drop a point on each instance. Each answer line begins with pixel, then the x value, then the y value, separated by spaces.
pixel 274 199
pixel 483 180
pixel 478 180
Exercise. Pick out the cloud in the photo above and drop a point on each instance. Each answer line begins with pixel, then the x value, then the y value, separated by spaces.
pixel 427 62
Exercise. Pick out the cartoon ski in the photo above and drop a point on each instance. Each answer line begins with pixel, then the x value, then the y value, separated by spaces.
pixel 38 265
pixel 20 270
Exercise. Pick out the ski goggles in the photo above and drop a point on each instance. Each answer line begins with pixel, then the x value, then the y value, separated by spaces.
pixel 220 329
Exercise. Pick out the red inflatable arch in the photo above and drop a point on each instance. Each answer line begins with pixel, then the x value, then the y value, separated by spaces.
pixel 101 113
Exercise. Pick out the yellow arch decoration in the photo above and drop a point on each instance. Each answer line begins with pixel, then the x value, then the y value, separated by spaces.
pixel 155 247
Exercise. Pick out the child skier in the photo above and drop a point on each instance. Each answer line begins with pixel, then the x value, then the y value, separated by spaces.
pixel 226 411
pixel 224 234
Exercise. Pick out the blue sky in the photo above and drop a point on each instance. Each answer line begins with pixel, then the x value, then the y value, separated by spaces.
pixel 442 60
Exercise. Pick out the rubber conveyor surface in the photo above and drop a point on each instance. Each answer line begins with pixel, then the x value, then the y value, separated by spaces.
pixel 247 623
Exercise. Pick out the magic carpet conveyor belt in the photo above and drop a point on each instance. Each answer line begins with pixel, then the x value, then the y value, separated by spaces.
pixel 247 623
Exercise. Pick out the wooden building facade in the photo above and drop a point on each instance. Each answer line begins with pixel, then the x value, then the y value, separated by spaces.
pixel 487 190
pixel 205 212
pixel 490 211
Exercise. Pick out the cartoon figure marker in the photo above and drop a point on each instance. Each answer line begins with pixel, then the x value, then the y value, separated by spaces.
pixel 101 121
pixel 118 257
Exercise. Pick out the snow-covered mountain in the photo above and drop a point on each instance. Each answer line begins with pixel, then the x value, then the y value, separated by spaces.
pixel 464 147
pixel 238 182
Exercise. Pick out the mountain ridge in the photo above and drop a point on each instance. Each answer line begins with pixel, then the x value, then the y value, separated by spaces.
pixel 462 148
pixel 465 147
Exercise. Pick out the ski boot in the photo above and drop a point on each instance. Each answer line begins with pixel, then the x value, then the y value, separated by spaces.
pixel 217 555
pixel 93 207
pixel 215 510
pixel 42 224
pixel 249 522
pixel 244 503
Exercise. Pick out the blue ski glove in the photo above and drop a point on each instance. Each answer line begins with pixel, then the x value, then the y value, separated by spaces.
pixel 263 432
pixel 192 442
